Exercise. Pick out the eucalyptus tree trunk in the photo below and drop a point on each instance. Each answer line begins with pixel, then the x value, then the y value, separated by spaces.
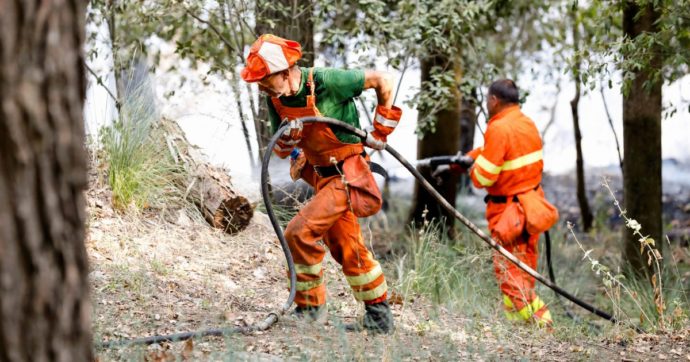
pixel 642 141
pixel 44 304
pixel 290 19
pixel 445 141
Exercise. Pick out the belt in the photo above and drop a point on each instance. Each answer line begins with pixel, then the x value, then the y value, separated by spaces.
pixel 501 199
pixel 337 169
pixel 332 170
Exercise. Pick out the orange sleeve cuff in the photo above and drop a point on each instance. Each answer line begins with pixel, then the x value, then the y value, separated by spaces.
pixel 475 153
pixel 385 121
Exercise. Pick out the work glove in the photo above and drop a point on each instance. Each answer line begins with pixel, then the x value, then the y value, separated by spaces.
pixel 289 138
pixel 297 163
pixel 293 133
pixel 385 121
pixel 372 141
pixel 460 165
pixel 464 161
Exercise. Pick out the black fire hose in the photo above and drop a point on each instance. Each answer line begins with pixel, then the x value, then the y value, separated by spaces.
pixel 273 316
pixel 492 243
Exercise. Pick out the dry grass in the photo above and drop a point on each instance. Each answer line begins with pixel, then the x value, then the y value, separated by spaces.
pixel 154 274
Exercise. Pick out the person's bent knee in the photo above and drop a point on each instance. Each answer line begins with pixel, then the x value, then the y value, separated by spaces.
pixel 295 230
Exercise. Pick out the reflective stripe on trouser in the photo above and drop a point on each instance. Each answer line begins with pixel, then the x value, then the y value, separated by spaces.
pixel 327 217
pixel 535 311
pixel 520 300
pixel 368 286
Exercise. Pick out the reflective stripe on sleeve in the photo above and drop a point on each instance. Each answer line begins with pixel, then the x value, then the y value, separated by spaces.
pixel 385 121
pixel 489 167
pixel 522 161
pixel 482 180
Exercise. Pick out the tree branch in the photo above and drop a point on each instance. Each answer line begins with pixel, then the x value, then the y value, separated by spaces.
pixel 99 81
pixel 213 28
pixel 613 129
pixel 552 118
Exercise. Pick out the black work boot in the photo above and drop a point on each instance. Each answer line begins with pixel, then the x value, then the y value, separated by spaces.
pixel 317 314
pixel 377 319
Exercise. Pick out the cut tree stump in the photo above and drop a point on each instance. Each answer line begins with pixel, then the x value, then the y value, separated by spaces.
pixel 208 187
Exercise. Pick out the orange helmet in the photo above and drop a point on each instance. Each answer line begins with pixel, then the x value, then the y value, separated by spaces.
pixel 270 54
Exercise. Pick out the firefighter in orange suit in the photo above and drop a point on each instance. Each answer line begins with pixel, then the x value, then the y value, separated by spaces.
pixel 334 163
pixel 509 166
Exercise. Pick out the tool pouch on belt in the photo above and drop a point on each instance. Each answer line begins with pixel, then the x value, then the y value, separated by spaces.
pixel 364 193
pixel 540 214
pixel 511 223
pixel 296 166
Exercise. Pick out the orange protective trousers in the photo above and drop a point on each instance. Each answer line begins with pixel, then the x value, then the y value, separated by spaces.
pixel 519 298
pixel 327 217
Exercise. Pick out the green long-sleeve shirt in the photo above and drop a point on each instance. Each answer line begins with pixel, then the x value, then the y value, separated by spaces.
pixel 335 92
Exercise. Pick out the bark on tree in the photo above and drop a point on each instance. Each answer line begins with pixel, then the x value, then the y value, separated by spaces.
pixel 112 30
pixel 445 141
pixel 468 123
pixel 208 187
pixel 290 19
pixel 642 142
pixel 585 210
pixel 44 303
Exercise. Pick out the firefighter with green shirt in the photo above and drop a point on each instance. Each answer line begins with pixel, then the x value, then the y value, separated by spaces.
pixel 334 163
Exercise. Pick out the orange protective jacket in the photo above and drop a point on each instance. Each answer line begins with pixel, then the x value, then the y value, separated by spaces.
pixel 510 162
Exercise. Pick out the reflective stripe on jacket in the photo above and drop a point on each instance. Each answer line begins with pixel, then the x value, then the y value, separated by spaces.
pixel 510 162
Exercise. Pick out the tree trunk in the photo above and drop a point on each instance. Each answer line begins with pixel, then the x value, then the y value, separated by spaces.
pixel 468 123
pixel 445 141
pixel 114 49
pixel 44 303
pixel 209 187
pixel 585 211
pixel 642 142
pixel 290 19
pixel 235 84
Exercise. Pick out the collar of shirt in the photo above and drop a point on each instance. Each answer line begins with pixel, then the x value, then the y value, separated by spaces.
pixel 506 111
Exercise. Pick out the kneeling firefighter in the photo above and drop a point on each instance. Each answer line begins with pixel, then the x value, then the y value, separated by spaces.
pixel 334 163
pixel 509 166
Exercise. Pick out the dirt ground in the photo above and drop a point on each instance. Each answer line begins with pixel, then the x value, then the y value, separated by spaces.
pixel 154 274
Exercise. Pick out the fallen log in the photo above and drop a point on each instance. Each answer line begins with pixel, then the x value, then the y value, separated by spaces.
pixel 208 187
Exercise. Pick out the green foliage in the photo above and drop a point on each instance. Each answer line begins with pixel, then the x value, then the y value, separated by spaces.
pixel 215 32
pixel 670 43
pixel 141 172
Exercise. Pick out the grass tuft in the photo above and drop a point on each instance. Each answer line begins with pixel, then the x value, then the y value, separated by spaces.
pixel 141 172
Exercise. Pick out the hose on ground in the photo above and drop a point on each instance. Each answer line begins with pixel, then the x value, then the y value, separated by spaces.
pixel 452 211
pixel 274 316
